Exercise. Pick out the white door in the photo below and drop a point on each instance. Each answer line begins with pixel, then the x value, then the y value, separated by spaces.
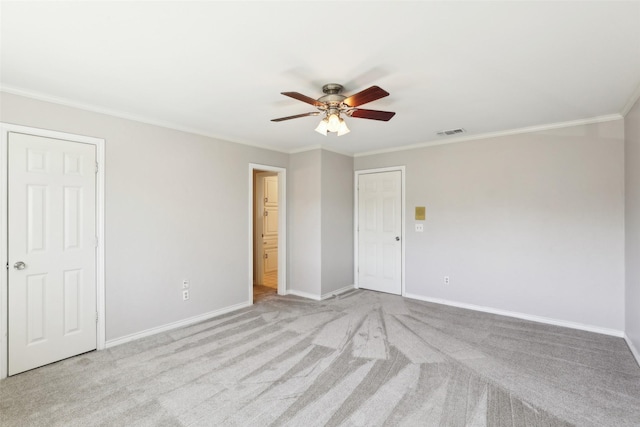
pixel 270 224
pixel 52 250
pixel 379 231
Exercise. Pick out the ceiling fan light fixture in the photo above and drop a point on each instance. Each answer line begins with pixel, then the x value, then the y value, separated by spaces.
pixel 342 128
pixel 322 127
pixel 334 122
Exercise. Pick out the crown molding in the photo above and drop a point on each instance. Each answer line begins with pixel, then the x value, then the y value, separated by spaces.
pixel 127 116
pixel 320 147
pixel 342 153
pixel 305 149
pixel 631 101
pixel 169 125
pixel 529 129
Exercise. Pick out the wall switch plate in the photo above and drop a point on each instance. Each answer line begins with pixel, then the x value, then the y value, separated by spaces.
pixel 419 228
pixel 185 295
pixel 185 284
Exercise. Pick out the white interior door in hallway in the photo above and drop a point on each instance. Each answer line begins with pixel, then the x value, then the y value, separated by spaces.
pixel 51 250
pixel 266 228
pixel 270 224
pixel 380 231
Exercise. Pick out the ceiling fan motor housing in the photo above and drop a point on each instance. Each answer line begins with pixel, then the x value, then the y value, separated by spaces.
pixel 332 97
pixel 332 88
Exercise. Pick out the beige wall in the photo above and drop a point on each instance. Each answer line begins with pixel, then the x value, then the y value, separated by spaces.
pixel 320 222
pixel 176 208
pixel 337 222
pixel 304 215
pixel 632 224
pixel 531 223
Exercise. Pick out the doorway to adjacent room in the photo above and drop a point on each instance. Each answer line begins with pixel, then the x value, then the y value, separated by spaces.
pixel 268 213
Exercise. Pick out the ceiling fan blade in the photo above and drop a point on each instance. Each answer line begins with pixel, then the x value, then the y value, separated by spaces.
pixel 303 98
pixel 385 116
pixel 314 113
pixel 367 95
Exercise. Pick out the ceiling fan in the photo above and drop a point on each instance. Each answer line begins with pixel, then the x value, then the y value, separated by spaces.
pixel 332 104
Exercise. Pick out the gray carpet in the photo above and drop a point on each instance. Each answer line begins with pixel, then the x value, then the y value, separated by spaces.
pixel 360 359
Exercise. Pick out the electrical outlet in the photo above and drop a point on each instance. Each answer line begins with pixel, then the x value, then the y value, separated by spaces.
pixel 185 284
pixel 419 228
pixel 446 280
pixel 185 295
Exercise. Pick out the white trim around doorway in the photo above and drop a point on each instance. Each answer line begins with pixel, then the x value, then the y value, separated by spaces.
pixel 5 128
pixel 355 220
pixel 282 227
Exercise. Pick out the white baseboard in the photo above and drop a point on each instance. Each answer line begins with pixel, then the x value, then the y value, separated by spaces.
pixel 174 325
pixel 338 292
pixel 533 318
pixel 304 294
pixel 634 350
pixel 319 297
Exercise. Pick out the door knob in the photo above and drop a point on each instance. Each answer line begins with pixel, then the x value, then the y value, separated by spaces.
pixel 397 238
pixel 19 265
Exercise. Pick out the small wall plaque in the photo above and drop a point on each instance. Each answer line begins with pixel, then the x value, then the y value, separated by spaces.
pixel 420 213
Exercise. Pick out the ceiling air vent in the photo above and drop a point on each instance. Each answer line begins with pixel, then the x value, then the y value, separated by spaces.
pixel 451 132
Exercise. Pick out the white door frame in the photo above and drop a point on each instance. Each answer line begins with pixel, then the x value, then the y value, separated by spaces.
pixel 5 128
pixel 282 226
pixel 357 225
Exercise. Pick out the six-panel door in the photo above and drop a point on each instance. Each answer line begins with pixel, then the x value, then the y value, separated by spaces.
pixel 379 232
pixel 52 223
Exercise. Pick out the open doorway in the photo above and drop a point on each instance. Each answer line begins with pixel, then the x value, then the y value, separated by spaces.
pixel 267 231
pixel 265 236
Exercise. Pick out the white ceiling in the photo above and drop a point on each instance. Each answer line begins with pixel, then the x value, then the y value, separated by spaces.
pixel 217 68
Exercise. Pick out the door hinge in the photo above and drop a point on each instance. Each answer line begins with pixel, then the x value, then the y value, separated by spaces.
pixel 266 213
pixel 96 167
pixel 266 256
pixel 7 265
pixel 96 241
pixel 96 317
pixel 266 200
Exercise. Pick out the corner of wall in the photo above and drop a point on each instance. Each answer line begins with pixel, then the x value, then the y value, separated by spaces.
pixel 336 222
pixel 633 349
pixel 632 226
